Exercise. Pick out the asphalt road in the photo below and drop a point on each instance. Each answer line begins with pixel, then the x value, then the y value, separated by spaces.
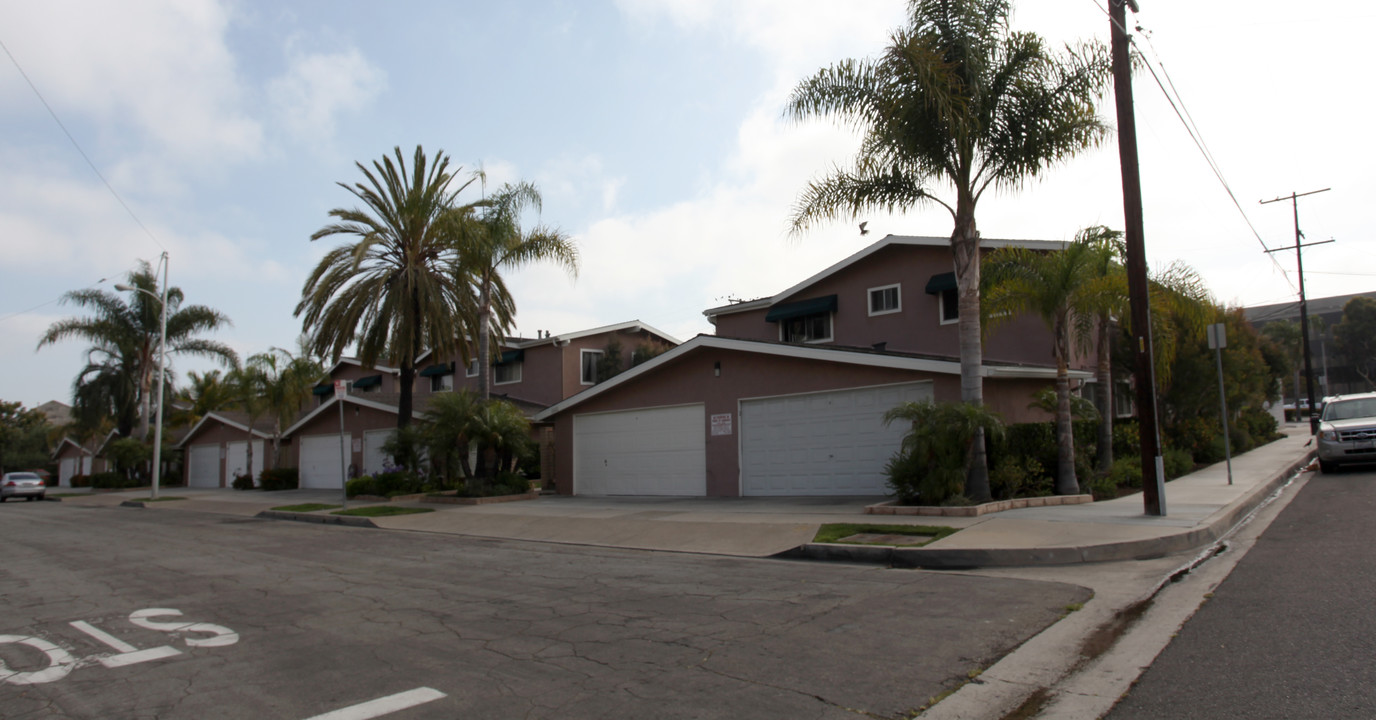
pixel 129 613
pixel 1291 633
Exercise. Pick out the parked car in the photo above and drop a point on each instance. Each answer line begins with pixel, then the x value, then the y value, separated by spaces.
pixel 1347 431
pixel 22 484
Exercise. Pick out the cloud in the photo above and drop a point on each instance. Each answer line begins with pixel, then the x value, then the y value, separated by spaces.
pixel 317 87
pixel 159 67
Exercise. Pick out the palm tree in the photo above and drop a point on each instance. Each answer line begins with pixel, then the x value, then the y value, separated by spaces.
pixel 397 291
pixel 206 394
pixel 1068 290
pixel 122 364
pixel 957 99
pixel 247 386
pixel 287 381
pixel 494 242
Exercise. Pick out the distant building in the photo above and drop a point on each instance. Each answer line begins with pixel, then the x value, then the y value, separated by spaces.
pixel 58 414
pixel 1332 374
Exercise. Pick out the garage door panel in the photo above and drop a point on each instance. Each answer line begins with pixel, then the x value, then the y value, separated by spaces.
pixel 321 459
pixel 657 451
pixel 236 459
pixel 204 466
pixel 830 443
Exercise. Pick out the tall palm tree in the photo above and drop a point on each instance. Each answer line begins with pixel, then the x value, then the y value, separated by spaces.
pixel 247 386
pixel 1068 290
pixel 206 393
pixel 494 242
pixel 395 292
pixel 957 99
pixel 122 364
pixel 287 381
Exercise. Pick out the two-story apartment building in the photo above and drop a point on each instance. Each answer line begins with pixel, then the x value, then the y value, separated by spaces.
pixel 788 397
pixel 533 373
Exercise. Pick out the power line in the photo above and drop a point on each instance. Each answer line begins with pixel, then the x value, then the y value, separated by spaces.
pixel 1177 104
pixel 77 145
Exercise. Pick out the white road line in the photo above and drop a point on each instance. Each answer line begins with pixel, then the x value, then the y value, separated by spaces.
pixel 138 656
pixel 383 706
pixel 101 635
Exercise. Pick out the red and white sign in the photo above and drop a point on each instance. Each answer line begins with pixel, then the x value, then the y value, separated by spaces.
pixel 341 389
pixel 721 424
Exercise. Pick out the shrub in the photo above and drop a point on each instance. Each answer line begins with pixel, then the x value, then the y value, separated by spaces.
pixel 1102 487
pixel 112 480
pixel 1177 463
pixel 1261 424
pixel 364 485
pixel 1126 472
pixel 1127 438
pixel 80 481
pixel 930 466
pixel 397 482
pixel 1019 477
pixel 242 481
pixel 282 478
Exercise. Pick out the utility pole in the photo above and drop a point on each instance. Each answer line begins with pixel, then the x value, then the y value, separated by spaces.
pixel 1304 305
pixel 1144 370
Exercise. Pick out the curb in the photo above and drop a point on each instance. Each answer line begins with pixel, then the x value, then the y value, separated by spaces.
pixel 321 519
pixel 968 558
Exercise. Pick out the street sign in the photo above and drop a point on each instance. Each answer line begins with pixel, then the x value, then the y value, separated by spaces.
pixel 1218 336
pixel 341 388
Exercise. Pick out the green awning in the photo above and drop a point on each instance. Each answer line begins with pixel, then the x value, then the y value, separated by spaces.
pixel 511 356
pixel 941 282
pixel 371 381
pixel 441 369
pixel 788 311
pixel 324 388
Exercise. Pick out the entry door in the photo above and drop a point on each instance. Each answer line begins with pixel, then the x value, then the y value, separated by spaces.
pixel 827 443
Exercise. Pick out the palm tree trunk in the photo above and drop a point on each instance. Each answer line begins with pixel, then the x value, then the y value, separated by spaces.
pixel 1066 483
pixel 1103 376
pixel 484 333
pixel 145 390
pixel 965 248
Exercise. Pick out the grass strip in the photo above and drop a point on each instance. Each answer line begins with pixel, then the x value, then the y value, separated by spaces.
pixel 382 511
pixel 834 532
pixel 305 507
pixel 164 498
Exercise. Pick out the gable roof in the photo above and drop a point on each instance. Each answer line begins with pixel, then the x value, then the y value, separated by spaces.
pixel 352 399
pixel 818 353
pixel 236 420
pixel 884 242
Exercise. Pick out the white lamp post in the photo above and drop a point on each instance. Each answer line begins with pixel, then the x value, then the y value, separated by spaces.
pixel 162 369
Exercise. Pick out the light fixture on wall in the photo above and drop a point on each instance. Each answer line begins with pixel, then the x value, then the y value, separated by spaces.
pixel 716 368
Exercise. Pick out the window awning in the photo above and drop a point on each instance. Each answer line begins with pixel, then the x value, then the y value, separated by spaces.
pixel 941 282
pixel 441 369
pixel 371 381
pixel 510 356
pixel 324 388
pixel 788 311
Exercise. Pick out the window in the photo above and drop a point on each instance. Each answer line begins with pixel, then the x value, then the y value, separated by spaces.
pixel 807 328
pixel 589 360
pixel 441 383
pixel 885 300
pixel 506 373
pixel 950 306
pixel 472 369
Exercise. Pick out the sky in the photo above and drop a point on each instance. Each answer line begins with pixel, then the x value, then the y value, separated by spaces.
pixel 653 129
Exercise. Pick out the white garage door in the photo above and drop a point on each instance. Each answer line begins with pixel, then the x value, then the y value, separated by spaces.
pixel 65 470
pixel 656 451
pixel 204 465
pixel 236 460
pixel 373 458
pixel 321 456
pixel 829 443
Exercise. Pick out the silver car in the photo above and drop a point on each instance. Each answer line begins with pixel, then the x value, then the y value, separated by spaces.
pixel 1347 431
pixel 22 484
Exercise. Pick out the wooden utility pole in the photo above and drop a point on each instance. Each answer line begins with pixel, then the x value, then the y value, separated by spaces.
pixel 1144 365
pixel 1304 307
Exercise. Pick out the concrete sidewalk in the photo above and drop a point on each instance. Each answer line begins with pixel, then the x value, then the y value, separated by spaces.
pixel 1200 507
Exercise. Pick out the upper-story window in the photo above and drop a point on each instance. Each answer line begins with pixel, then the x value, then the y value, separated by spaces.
pixel 807 328
pixel 950 307
pixel 472 369
pixel 885 300
pixel 804 320
pixel 506 373
pixel 588 361
pixel 442 383
pixel 369 384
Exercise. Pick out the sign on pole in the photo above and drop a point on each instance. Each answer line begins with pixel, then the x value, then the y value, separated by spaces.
pixel 1218 339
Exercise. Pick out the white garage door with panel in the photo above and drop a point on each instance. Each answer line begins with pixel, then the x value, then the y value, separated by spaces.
pixel 653 451
pixel 205 466
pixel 321 456
pixel 373 457
pixel 236 459
pixel 65 470
pixel 826 443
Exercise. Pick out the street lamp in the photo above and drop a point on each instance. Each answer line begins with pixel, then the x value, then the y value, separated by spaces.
pixel 162 369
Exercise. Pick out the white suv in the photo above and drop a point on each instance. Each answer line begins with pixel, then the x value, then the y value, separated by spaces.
pixel 1347 431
